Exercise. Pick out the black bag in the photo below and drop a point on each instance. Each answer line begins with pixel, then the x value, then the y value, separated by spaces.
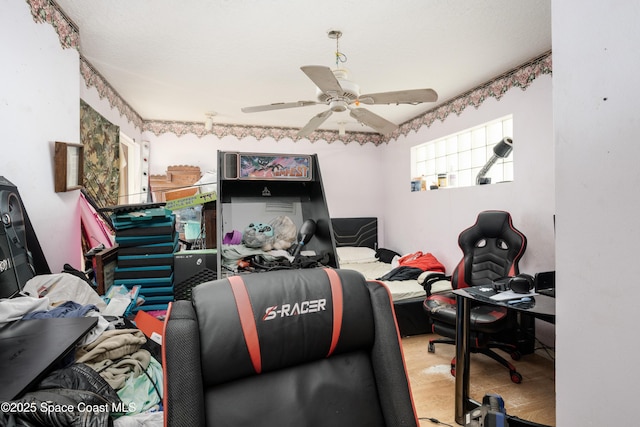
pixel 386 255
pixel 259 263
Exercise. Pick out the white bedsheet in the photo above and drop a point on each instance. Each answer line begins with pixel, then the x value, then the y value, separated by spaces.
pixel 400 289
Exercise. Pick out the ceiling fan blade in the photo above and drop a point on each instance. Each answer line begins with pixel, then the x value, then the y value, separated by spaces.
pixel 324 78
pixel 313 124
pixel 277 106
pixel 373 120
pixel 412 96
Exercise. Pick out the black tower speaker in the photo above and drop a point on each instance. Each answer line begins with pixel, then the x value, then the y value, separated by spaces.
pixel 21 256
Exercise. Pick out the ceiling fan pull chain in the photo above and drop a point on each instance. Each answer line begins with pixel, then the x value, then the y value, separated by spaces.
pixel 340 57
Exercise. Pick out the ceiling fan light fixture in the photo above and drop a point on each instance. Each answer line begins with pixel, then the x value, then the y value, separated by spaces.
pixel 338 105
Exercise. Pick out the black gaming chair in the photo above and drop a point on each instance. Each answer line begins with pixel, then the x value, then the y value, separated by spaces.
pixel 491 248
pixel 309 347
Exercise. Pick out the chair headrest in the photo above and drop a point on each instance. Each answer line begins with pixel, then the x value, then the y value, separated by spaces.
pixel 493 225
pixel 261 322
pixel 492 248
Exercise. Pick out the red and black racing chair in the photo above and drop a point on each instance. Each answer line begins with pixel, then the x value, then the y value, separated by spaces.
pixel 309 347
pixel 491 248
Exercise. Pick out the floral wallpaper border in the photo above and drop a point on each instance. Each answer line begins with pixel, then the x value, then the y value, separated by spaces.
pixel 48 11
pixel 92 78
pixel 521 77
pixel 258 132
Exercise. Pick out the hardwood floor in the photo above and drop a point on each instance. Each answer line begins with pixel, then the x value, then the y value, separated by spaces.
pixel 433 386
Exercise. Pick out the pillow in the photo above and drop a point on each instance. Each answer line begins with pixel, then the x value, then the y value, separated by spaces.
pixel 355 255
pixel 386 255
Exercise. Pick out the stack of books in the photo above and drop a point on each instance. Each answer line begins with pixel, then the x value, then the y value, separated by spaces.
pixel 147 240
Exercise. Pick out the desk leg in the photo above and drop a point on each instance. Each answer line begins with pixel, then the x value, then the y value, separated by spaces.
pixel 462 358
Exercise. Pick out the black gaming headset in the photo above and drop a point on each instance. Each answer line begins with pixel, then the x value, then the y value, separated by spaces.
pixel 520 284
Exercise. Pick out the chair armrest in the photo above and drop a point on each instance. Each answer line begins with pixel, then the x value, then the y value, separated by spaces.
pixel 183 387
pixel 388 361
pixel 434 282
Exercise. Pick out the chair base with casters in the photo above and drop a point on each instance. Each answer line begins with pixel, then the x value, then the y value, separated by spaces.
pixel 485 321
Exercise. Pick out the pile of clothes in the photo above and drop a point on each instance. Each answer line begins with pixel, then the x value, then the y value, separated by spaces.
pixel 115 369
pixel 412 265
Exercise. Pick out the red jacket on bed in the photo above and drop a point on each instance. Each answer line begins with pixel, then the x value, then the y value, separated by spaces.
pixel 425 262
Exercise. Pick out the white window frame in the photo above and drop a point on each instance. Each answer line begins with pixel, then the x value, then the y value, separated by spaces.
pixel 133 166
pixel 456 159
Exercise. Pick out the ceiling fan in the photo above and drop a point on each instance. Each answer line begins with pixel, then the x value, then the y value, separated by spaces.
pixel 341 94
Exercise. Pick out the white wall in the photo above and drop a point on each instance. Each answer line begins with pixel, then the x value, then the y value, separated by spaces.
pixel 351 177
pixel 596 105
pixel 431 221
pixel 39 104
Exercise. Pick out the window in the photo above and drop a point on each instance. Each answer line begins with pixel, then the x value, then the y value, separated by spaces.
pixel 456 160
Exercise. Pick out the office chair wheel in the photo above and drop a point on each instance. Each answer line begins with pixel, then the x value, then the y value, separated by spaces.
pixel 516 355
pixel 432 348
pixel 516 377
pixel 453 367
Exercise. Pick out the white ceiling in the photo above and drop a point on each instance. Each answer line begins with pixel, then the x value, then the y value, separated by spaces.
pixel 178 60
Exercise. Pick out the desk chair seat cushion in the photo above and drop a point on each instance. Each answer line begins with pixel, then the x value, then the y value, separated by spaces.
pixel 314 347
pixel 483 318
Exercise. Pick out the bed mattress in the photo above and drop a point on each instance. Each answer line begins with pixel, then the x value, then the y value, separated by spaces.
pixel 400 289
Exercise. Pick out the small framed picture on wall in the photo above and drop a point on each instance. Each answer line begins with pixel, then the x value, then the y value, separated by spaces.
pixel 68 166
